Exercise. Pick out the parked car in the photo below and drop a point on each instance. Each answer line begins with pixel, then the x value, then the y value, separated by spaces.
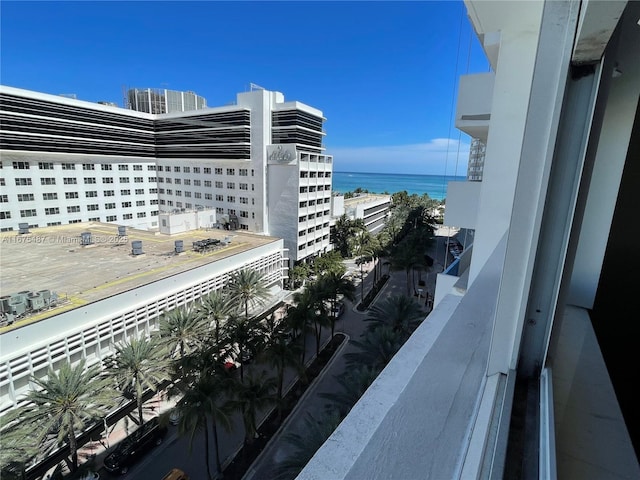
pixel 176 474
pixel 134 446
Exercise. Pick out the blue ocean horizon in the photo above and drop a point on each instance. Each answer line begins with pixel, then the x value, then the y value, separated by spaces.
pixel 433 185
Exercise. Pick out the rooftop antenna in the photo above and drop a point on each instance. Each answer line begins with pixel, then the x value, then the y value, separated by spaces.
pixel 254 86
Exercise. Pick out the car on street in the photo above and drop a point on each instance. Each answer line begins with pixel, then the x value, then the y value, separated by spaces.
pixel 130 449
pixel 176 474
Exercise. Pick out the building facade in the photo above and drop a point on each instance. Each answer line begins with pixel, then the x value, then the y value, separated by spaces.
pixel 65 160
pixel 161 100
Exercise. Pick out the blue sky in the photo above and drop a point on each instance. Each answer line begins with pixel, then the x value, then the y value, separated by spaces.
pixel 384 74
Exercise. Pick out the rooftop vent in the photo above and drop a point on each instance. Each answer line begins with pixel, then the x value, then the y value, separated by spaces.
pixel 23 228
pixel 122 231
pixel 85 238
pixel 179 246
pixel 136 247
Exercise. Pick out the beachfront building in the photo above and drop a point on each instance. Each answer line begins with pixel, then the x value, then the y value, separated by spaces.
pixel 259 164
pixel 524 367
pixel 372 208
pixel 75 291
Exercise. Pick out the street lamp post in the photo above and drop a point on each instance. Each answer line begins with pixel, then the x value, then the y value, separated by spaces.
pixel 420 294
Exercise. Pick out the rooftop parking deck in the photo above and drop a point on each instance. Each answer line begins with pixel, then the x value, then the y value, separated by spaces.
pixel 54 259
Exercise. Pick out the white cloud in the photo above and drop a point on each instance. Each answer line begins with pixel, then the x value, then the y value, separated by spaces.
pixel 438 157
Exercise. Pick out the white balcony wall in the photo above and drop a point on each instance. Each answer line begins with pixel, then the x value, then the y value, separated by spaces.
pixel 462 204
pixel 473 110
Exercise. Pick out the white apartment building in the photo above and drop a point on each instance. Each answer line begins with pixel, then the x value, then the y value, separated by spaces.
pixel 259 164
pixel 371 208
pixel 526 367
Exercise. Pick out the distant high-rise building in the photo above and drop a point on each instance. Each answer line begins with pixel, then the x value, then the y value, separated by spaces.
pixel 476 160
pixel 160 100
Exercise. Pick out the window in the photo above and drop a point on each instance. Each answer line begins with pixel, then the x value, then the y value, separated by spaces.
pixel 23 181
pixel 126 204
pixel 5 215
pixel 53 224
pixel 137 168
pixel 196 169
pixel 52 211
pixel 153 201
pixel 94 219
pixel 4 198
pixel 169 191
pixel 25 197
pixel 219 198
pixel 70 181
pixel 123 167
pixel 21 165
pixel 219 184
pixel 125 192
pixel 154 213
pixel 187 194
pixel 160 179
pixel 111 218
pixel 89 180
pixel 109 206
pixel 91 194
pixel 187 181
pixel 243 172
pixel 207 170
pixel 127 216
pixel 178 204
pixel 108 193
pixel 45 165
pixel 207 183
pixel 244 200
pixel 88 166
pixel 244 186
pixel 188 205
pixel 106 166
pixel 231 171
pixel 177 181
pixel 138 179
pixel 163 202
pixel 152 179
pixel 1 182
pixel 170 203
pixel 219 210
pixel 208 196
pixel 93 207
pixel 141 214
pixel 124 179
pixel 176 169
pixel 139 203
pixel 73 208
pixel 231 199
pixel 153 190
pixel 253 187
pixel 152 168
pixel 107 180
pixel 28 213
pixel 74 221
pixel 69 195
pixel 244 214
pixel 186 169
pixel 197 183
pixel 197 195
pixel 178 193
pixel 168 180
pixel 68 166
pixel 49 196
pixel 231 185
pixel 218 171
pixel 139 191
pixel 231 211
pixel 160 190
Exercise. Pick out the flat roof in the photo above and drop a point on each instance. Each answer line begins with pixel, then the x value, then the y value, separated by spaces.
pixel 366 198
pixel 53 258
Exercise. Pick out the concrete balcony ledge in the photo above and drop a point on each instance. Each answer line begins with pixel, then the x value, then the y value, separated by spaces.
pixel 417 418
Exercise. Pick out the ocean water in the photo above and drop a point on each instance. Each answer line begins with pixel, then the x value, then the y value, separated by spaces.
pixel 434 185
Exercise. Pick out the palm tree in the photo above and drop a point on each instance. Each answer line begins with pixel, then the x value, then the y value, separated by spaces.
pixel 248 288
pixel 216 307
pixel 313 299
pixel 66 402
pixel 377 347
pixel 354 383
pixel 333 285
pixel 399 312
pixel 138 365
pixel 404 257
pixel 19 447
pixel 245 335
pixel 201 401
pixel 305 445
pixel 181 331
pixel 299 318
pixel 280 355
pixel 251 396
